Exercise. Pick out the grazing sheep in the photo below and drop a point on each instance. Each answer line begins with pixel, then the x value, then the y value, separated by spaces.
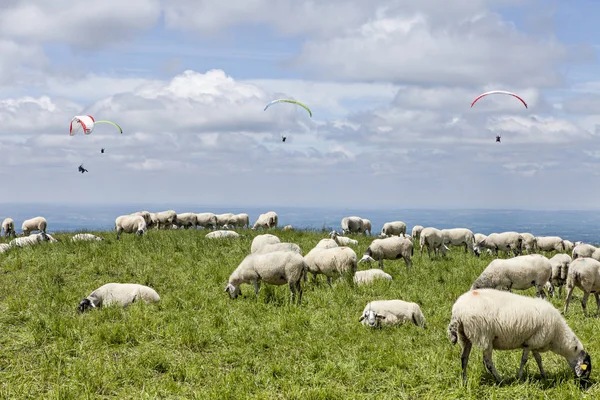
pixel 326 244
pixel 122 294
pixel 263 240
pixel 240 221
pixel 416 232
pixel 85 237
pixel 222 234
pixel 269 248
pixel 352 225
pixel 583 250
pixel 366 226
pixel 479 237
pixel 392 312
pixel 224 219
pixel 276 268
pixel 8 227
pixel 518 273
pixel 34 224
pixel 549 243
pixel 394 228
pixel 497 320
pixel 288 228
pixel 369 275
pixel 560 268
pixel 460 237
pixel 343 240
pixel 333 262
pixel 584 273
pixel 266 221
pixel 130 224
pixel 34 238
pixel 529 243
pixel 4 247
pixel 165 219
pixel 206 220
pixel 569 246
pixel 391 248
pixel 506 241
pixel 186 220
pixel 146 215
pixel 434 240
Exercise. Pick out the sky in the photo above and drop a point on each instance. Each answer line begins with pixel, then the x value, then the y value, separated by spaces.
pixel 389 83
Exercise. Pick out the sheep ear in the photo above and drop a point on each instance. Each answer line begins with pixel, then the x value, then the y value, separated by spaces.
pixel 361 318
pixel 379 316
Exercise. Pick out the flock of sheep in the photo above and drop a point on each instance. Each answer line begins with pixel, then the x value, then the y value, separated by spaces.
pixel 487 315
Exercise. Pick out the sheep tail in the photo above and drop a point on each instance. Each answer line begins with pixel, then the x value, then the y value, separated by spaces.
pixel 452 330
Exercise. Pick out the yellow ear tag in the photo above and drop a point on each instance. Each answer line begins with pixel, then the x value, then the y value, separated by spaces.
pixel 583 366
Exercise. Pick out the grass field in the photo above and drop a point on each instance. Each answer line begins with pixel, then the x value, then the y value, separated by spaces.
pixel 198 343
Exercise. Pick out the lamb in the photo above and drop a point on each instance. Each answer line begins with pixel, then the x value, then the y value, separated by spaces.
pixel 560 267
pixel 392 312
pixel 206 220
pixel 391 248
pixel 529 242
pixel 122 294
pixel 85 237
pixel 277 268
pixel 352 225
pixel 550 243
pixel 497 320
pixel 394 228
pixel 369 275
pixel 583 250
pixel 34 238
pixel 130 224
pixel 584 273
pixel 262 240
pixel 333 262
pixel 326 244
pixel 506 241
pixel 434 240
pixel 222 234
pixel 518 273
pixel 165 219
pixel 34 224
pixel 366 226
pixel 8 227
pixel 269 248
pixel 4 247
pixel 288 228
pixel 266 221
pixel 187 220
pixel 343 240
pixel 460 237
pixel 416 231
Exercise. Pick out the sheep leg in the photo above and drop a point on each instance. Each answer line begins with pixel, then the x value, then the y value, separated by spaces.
pixel 540 292
pixel 381 263
pixel 293 291
pixel 568 300
pixel 329 281
pixel 408 262
pixel 597 296
pixel 466 248
pixel 584 301
pixel 464 358
pixel 489 364
pixel 299 290
pixel 524 357
pixel 538 359
pixel 256 287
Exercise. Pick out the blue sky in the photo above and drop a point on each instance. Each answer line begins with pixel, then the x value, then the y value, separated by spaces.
pixel 389 84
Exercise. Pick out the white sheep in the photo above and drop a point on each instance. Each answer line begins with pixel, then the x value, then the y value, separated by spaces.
pixel 584 273
pixel 479 237
pixel 85 237
pixel 529 242
pixel 266 221
pixel 343 240
pixel 569 246
pixel 366 226
pixel 497 320
pixel 549 243
pixel 34 224
pixel 122 294
pixel 224 219
pixel 392 312
pixel 206 220
pixel 276 268
pixel 240 221
pixel 270 248
pixel 416 231
pixel 333 262
pixel 222 234
pixel 8 227
pixel 262 240
pixel 460 237
pixel 32 239
pixel 369 275
pixel 560 268
pixel 517 273
pixel 146 215
pixel 583 250
pixel 164 219
pixel 433 239
pixel 51 238
pixel 352 224
pixel 394 228
pixel 326 244
pixel 187 220
pixel 505 241
pixel 288 228
pixel 130 224
pixel 4 247
pixel 391 248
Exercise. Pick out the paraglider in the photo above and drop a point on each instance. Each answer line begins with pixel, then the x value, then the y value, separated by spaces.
pixel 289 101
pixel 283 138
pixel 499 92
pixel 87 123
pixel 81 169
pixel 498 139
pixel 102 151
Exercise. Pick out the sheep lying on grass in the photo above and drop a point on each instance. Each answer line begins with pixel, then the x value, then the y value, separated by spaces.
pixel 83 237
pixel 343 240
pixel 4 247
pixel 369 275
pixel 497 320
pixel 277 268
pixel 391 312
pixel 263 240
pixel 34 238
pixel 222 234
pixel 270 248
pixel 122 294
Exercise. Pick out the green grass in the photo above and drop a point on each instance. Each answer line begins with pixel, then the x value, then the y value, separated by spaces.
pixel 198 343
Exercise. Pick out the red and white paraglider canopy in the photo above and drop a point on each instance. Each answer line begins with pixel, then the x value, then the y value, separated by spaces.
pixel 499 92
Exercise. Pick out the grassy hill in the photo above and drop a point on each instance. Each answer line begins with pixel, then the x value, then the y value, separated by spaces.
pixel 198 343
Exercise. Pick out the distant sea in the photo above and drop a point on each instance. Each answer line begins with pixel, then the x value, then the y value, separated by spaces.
pixel 571 225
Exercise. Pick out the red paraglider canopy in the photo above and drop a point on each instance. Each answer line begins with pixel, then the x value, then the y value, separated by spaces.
pixel 499 92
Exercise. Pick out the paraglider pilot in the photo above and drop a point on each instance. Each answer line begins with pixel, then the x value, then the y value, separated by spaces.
pixel 498 139
pixel 283 138
pixel 81 169
pixel 102 151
